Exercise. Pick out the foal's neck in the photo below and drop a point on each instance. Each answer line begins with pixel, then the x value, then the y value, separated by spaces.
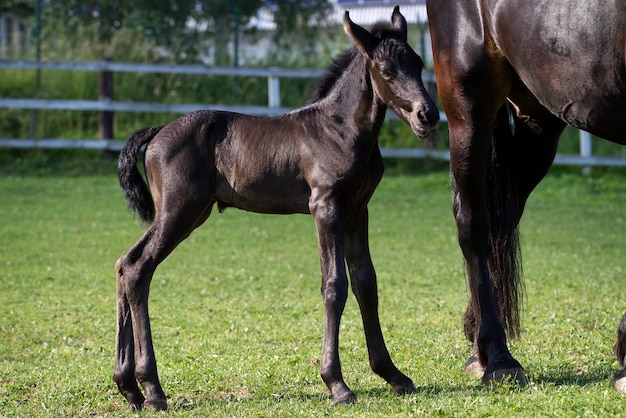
pixel 354 98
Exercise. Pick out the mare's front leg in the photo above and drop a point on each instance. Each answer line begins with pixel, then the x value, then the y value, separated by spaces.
pixel 330 224
pixel 363 281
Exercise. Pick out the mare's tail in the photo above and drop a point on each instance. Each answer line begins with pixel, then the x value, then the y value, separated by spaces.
pixel 505 266
pixel 136 192
pixel 503 201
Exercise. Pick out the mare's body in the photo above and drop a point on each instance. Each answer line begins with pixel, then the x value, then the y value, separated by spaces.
pixel 556 62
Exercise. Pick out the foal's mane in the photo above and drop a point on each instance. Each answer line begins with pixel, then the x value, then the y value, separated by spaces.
pixel 380 30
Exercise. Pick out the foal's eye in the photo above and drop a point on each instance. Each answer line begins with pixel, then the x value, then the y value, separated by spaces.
pixel 386 73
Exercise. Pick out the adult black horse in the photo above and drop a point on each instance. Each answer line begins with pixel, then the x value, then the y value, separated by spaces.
pixel 555 62
pixel 321 159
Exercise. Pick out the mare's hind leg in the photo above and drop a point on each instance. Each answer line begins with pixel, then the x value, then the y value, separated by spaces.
pixel 533 149
pixel 363 281
pixel 619 382
pixel 135 360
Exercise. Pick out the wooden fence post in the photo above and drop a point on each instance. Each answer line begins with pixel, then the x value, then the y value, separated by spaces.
pixel 106 94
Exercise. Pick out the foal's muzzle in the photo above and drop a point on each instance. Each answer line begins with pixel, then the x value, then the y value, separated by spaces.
pixel 423 121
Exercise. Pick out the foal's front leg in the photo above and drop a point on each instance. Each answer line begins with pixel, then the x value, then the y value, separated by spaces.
pixel 363 281
pixel 330 232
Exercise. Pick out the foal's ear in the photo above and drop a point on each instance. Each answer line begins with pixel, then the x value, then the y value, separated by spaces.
pixel 364 41
pixel 399 22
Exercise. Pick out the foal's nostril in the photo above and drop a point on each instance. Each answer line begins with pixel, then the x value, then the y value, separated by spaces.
pixel 428 116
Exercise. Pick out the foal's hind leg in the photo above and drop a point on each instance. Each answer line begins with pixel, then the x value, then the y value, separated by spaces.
pixel 363 281
pixel 124 373
pixel 135 360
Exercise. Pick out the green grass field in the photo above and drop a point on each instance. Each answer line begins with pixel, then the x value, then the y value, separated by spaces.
pixel 237 313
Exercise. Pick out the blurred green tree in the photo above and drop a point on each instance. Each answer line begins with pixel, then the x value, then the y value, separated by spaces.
pixel 172 30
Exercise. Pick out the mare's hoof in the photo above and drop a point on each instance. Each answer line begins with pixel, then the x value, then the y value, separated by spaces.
pixel 403 388
pixel 619 383
pixel 474 367
pixel 155 404
pixel 508 375
pixel 345 399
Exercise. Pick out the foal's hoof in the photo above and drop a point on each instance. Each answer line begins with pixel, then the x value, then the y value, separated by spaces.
pixel 474 367
pixel 135 407
pixel 155 404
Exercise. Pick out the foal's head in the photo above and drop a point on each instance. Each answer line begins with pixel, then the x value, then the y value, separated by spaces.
pixel 396 71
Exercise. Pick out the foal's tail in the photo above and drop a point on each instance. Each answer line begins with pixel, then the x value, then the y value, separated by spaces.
pixel 503 200
pixel 136 192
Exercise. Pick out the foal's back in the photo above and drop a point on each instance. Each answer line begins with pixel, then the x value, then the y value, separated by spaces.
pixel 259 164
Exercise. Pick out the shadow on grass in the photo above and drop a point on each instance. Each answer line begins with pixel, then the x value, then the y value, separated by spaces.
pixel 568 377
pixel 383 392
pixel 220 400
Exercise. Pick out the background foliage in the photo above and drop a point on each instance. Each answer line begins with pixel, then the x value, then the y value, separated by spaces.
pixel 182 32
pixel 174 31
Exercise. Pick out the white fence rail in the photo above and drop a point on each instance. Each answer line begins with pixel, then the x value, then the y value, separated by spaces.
pixel 273 75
